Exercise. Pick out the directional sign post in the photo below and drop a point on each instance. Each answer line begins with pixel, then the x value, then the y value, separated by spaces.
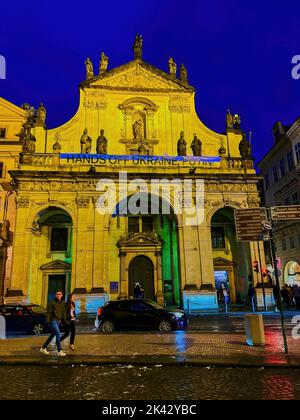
pixel 250 224
pixel 285 213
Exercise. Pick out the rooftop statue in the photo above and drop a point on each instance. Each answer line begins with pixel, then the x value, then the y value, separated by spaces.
pixel 172 67
pixel 41 115
pixel 103 63
pixel 245 148
pixel 89 69
pixel 183 74
pixel 86 142
pixel 237 122
pixel 181 145
pixel 229 119
pixel 102 144
pixel 138 46
pixel 28 139
pixel 196 146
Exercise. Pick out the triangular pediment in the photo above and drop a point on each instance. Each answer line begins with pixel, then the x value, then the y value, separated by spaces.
pixel 222 262
pixel 9 110
pixel 56 265
pixel 139 239
pixel 137 75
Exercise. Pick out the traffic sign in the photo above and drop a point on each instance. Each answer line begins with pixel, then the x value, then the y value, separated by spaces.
pixel 285 213
pixel 249 224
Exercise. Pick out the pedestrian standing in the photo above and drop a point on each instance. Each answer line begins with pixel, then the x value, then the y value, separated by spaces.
pixel 71 319
pixel 56 314
pixel 296 293
pixel 251 294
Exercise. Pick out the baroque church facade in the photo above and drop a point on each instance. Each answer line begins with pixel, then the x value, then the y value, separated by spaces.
pixel 133 122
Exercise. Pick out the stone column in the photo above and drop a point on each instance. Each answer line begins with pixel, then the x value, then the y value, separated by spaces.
pixel 21 253
pixel 206 258
pixel 160 292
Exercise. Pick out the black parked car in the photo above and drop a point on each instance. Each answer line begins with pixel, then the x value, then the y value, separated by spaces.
pixel 24 319
pixel 139 313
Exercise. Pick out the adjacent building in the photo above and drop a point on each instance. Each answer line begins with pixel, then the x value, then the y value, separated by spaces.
pixel 281 171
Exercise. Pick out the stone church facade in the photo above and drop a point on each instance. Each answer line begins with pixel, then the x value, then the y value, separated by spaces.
pixel 134 122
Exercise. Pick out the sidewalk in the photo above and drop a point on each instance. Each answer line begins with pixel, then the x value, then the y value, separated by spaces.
pixel 178 348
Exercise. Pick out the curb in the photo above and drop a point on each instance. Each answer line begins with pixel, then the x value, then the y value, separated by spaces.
pixel 157 361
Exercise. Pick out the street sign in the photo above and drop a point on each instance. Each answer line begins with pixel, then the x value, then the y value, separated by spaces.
pixel 285 213
pixel 249 224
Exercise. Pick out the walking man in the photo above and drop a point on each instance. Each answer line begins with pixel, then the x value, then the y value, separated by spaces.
pixel 56 313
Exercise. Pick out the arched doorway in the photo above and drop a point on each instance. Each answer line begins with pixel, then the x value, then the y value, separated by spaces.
pixel 292 273
pixel 141 271
pixel 232 260
pixel 51 254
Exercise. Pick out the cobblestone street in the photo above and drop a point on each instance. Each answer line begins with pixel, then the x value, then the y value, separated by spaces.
pixel 147 383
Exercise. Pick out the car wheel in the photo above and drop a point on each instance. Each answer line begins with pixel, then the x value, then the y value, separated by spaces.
pixel 107 327
pixel 165 326
pixel 38 329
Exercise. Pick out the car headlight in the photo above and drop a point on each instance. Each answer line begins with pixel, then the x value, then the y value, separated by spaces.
pixel 177 315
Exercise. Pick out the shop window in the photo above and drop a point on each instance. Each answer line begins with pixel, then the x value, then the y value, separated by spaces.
pixel 59 239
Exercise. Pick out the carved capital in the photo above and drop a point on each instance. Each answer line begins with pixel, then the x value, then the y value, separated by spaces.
pixel 83 202
pixel 22 202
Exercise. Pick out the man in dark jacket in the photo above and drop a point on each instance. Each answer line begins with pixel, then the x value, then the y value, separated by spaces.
pixel 56 313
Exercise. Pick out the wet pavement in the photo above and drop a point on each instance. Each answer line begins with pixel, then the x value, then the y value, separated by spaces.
pixel 147 383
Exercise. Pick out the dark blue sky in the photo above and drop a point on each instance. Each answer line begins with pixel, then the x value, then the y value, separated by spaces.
pixel 238 53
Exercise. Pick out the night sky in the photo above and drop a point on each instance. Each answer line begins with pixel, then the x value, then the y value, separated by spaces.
pixel 238 54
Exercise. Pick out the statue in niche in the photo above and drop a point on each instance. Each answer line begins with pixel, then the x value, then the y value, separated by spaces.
pixel 102 144
pixel 245 148
pixel 172 67
pixel 103 63
pixel 181 145
pixel 196 146
pixel 89 69
pixel 138 128
pixel 28 139
pixel 86 142
pixel 183 74
pixel 138 46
